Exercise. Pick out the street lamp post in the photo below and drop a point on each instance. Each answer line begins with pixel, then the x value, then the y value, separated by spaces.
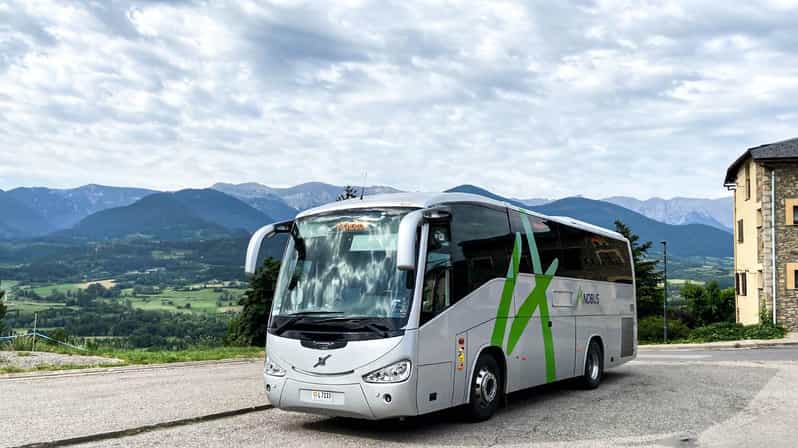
pixel 665 290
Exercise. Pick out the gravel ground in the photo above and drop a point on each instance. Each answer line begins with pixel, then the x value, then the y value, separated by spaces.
pixel 32 360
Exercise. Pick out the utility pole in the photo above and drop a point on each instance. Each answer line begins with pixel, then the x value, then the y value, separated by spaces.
pixel 665 290
pixel 35 323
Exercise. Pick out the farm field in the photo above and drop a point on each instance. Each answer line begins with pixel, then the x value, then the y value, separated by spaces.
pixel 207 299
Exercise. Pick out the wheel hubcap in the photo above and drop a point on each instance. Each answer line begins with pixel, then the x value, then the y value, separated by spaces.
pixel 593 365
pixel 486 387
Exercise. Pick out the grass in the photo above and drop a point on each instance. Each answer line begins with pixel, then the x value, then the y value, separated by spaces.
pixel 147 356
pixel 141 357
pixel 52 368
pixel 45 291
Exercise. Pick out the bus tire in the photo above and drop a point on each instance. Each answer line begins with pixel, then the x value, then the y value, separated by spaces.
pixel 486 389
pixel 594 366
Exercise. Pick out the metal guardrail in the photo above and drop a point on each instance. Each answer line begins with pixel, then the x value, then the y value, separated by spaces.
pixel 35 334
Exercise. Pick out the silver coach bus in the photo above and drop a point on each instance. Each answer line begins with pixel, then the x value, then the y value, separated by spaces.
pixel 405 304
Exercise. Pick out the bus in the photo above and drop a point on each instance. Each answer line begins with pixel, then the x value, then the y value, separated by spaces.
pixel 406 304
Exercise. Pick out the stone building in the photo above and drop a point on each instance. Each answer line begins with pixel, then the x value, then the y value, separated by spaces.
pixel 765 184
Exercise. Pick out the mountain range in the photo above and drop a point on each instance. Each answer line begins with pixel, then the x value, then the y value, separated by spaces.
pixel 95 212
pixel 182 215
pixel 285 203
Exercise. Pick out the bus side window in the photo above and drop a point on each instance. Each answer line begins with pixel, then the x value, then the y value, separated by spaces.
pixel 436 293
pixel 547 240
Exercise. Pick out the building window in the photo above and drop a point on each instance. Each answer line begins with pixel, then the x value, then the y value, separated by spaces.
pixel 792 275
pixel 744 288
pixel 741 283
pixel 740 238
pixel 747 181
pixel 759 218
pixel 791 212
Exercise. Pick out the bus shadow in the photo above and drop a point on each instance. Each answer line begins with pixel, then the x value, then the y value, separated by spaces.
pixel 439 427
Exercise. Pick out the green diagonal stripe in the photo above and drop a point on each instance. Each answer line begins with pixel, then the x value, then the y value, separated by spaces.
pixel 534 301
pixel 507 295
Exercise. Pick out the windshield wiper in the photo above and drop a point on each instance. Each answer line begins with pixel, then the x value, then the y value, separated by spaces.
pixel 293 318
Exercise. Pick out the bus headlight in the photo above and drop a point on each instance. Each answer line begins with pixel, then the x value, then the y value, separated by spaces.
pixel 394 373
pixel 273 369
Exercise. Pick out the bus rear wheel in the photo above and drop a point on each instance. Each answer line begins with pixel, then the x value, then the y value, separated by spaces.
pixel 486 389
pixel 594 366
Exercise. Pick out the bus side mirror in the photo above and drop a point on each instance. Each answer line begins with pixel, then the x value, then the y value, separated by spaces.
pixel 408 229
pixel 406 240
pixel 251 262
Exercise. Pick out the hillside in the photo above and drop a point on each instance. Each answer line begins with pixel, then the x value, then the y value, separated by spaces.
pixel 683 240
pixel 18 220
pixel 158 216
pixel 63 208
pixel 185 214
pixel 222 209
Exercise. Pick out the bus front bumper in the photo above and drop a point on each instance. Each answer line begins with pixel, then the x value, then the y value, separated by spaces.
pixel 356 400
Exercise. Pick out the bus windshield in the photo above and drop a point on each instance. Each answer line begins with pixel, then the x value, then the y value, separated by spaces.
pixel 342 266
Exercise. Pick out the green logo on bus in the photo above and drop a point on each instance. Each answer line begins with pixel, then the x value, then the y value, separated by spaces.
pixel 536 300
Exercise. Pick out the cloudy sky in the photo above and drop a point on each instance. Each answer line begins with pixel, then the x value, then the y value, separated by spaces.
pixel 535 99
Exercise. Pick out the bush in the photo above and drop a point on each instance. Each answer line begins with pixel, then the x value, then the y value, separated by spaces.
pixel 722 331
pixel 732 332
pixel 764 331
pixel 649 329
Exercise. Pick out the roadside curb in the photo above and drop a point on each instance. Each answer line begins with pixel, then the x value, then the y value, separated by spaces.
pixel 148 428
pixel 123 369
pixel 725 345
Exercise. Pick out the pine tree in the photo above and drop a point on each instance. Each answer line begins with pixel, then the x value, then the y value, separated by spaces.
pixel 250 327
pixel 647 277
pixel 350 192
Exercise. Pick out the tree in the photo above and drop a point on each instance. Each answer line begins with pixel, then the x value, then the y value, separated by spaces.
pixel 647 277
pixel 709 304
pixel 250 327
pixel 350 192
pixel 2 310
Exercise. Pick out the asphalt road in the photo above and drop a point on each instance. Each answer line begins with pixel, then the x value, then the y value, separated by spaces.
pixel 66 405
pixel 666 398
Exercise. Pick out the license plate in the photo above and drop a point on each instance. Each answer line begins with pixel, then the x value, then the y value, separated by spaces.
pixel 323 396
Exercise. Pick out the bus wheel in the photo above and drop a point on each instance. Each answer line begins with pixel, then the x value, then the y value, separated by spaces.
pixel 594 366
pixel 486 389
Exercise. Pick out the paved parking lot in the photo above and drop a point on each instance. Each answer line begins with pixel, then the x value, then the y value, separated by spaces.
pixel 673 398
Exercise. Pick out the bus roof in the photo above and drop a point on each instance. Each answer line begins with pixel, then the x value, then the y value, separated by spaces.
pixel 424 200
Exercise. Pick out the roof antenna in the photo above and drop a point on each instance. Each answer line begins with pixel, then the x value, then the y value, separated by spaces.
pixel 363 189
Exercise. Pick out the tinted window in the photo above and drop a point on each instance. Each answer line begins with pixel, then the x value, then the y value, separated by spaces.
pixel 581 254
pixel 481 247
pixel 578 260
pixel 611 260
pixel 546 237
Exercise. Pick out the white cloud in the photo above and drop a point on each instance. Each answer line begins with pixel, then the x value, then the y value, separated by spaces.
pixel 594 98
